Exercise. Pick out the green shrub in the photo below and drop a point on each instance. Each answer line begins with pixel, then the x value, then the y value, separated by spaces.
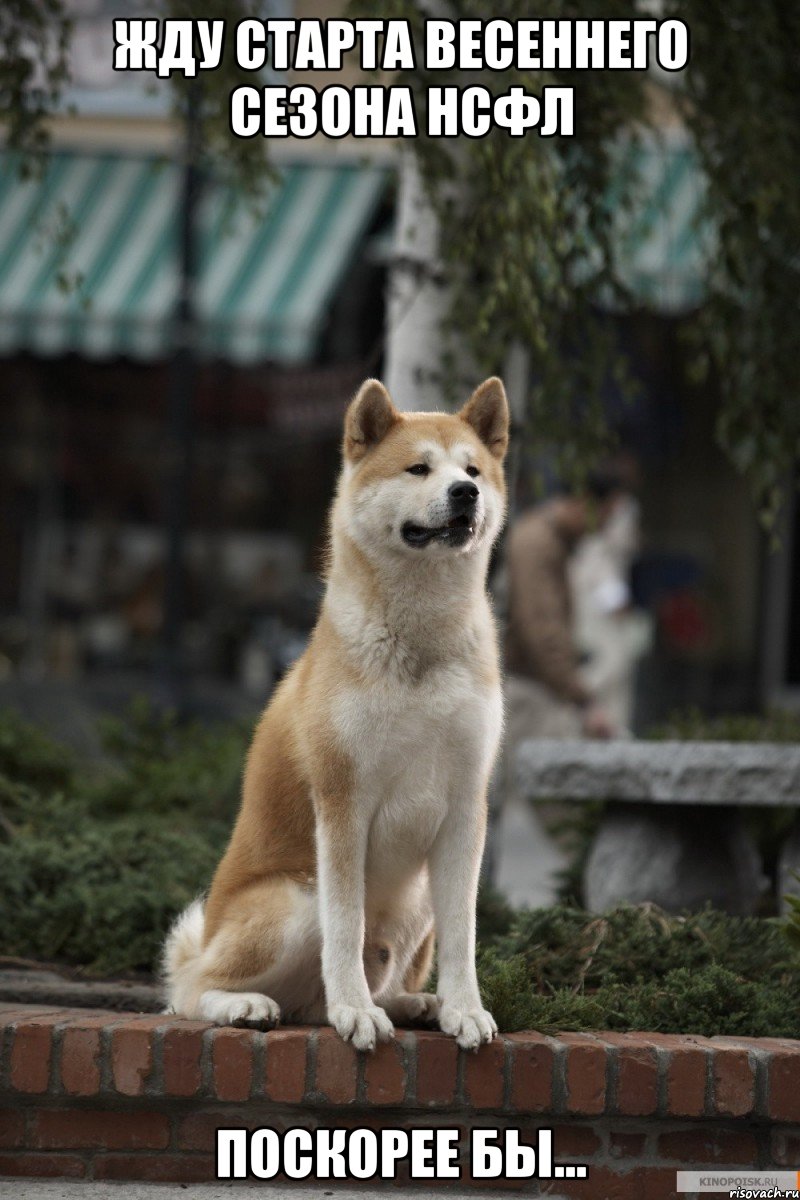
pixel 100 894
pixel 30 756
pixel 637 968
pixel 567 947
pixel 95 863
pixel 692 725
pixel 710 1002
pixel 792 922
pixel 160 765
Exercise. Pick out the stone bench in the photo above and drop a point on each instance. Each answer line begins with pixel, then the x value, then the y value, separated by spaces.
pixel 672 831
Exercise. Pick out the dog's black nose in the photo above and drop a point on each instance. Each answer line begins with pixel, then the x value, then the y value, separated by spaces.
pixel 462 494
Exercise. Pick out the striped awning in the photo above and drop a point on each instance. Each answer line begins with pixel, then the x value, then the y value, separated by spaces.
pixel 663 245
pixel 89 257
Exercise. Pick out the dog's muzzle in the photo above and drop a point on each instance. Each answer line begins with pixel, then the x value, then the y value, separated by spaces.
pixel 462 498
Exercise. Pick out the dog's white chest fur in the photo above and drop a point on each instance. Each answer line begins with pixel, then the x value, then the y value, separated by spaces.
pixel 414 748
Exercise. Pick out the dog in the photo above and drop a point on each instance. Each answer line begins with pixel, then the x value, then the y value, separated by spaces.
pixel 363 812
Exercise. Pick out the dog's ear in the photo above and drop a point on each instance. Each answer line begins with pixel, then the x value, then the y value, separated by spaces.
pixel 487 412
pixel 369 418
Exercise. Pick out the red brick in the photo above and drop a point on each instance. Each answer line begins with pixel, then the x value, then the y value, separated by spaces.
pixel 637 1074
pixel 604 1183
pixel 80 1061
pixel 503 1184
pixel 532 1058
pixel 161 1168
pixel 574 1141
pixel 484 1081
pixel 784 1085
pixel 378 1119
pixel 785 1148
pixel 285 1079
pixel 734 1083
pixel 132 1058
pixel 658 1183
pixel 687 1071
pixel 626 1145
pixel 198 1130
pixel 78 1129
pixel 750 1043
pixel 41 1166
pixel 337 1066
pixel 182 1049
pixel 31 1054
pixel 90 1019
pixel 232 1063
pixel 385 1073
pixel 585 1074
pixel 11 1013
pixel 437 1064
pixel 12 1128
pixel 771 1044
pixel 601 1182
pixel 707 1147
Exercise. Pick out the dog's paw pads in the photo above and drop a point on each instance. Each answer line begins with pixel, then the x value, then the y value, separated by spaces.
pixel 469 1026
pixel 364 1027
pixel 249 1009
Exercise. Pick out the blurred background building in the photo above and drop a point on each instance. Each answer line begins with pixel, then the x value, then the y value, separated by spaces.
pixel 287 316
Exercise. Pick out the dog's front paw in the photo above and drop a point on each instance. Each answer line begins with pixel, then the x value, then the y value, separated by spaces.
pixel 361 1026
pixel 413 1006
pixel 469 1026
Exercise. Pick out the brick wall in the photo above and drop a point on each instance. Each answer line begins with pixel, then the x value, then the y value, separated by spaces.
pixel 118 1096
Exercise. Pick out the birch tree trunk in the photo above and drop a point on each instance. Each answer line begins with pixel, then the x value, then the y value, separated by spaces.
pixel 417 301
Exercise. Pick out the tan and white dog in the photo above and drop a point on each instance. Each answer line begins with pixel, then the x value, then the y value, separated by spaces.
pixel 364 802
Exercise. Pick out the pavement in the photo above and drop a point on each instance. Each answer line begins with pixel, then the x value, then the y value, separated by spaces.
pixel 527 859
pixel 23 982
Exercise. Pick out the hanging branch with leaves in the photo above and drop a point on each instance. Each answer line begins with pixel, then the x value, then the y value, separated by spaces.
pixel 528 212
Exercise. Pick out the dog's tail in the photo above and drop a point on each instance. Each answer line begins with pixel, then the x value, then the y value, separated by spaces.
pixel 182 950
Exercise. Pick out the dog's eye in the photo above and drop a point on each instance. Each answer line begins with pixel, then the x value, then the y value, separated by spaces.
pixel 419 469
pixel 472 471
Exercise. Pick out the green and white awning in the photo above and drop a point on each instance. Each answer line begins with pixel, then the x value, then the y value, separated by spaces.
pixel 663 245
pixel 89 252
pixel 88 257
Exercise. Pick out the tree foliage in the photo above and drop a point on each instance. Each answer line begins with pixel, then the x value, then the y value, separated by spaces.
pixel 240 160
pixel 742 105
pixel 34 42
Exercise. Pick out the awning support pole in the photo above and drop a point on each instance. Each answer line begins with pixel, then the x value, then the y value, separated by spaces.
pixel 182 382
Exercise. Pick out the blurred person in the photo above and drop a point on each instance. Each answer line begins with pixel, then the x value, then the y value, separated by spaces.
pixel 611 634
pixel 547 695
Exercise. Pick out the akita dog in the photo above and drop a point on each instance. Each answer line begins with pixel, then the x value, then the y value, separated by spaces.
pixel 364 799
